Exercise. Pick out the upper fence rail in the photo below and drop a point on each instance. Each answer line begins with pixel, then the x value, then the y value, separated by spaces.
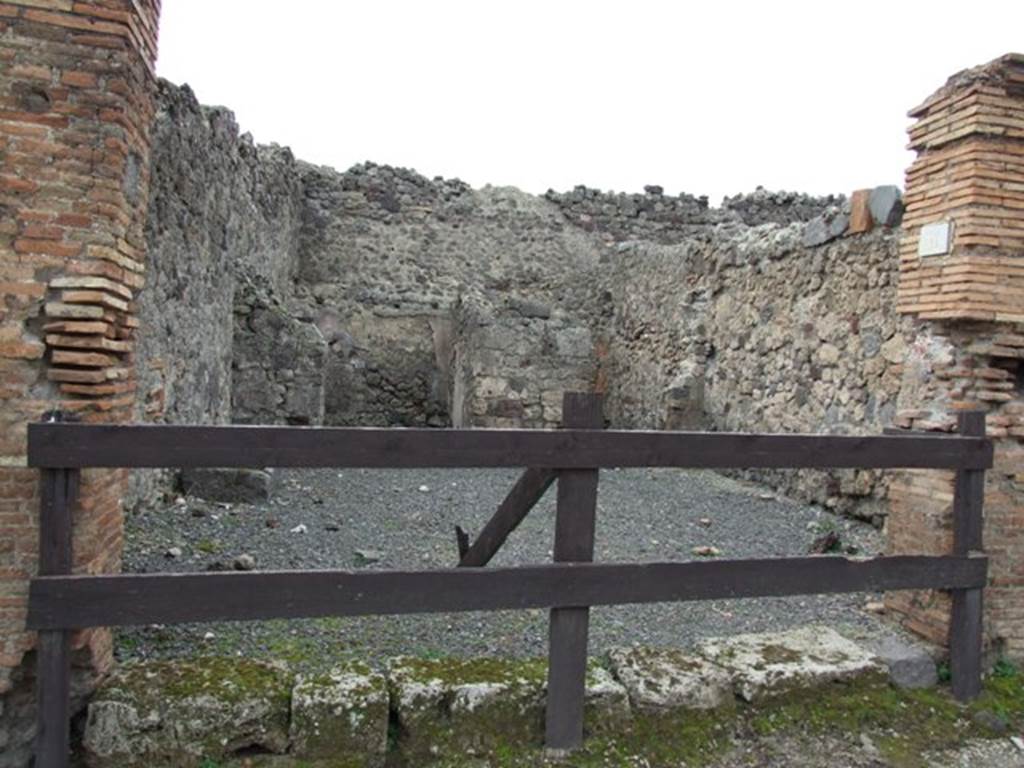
pixel 70 445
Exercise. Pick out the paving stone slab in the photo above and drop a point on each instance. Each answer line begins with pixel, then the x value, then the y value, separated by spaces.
pixel 664 679
pixel 185 713
pixel 341 715
pixel 764 665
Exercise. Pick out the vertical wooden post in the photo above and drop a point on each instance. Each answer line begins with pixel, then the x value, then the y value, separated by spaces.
pixel 53 678
pixel 574 542
pixel 965 627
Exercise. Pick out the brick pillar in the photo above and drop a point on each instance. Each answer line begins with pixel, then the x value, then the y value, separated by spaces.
pixel 962 278
pixel 76 83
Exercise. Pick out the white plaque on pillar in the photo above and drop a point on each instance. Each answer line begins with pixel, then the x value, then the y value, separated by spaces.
pixel 935 239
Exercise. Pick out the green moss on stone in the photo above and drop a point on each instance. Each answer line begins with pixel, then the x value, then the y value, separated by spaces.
pixel 466 707
pixel 903 724
pixel 453 671
pixel 227 679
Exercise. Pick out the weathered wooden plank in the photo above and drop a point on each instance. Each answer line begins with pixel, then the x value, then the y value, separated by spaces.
pixel 965 626
pixel 568 628
pixel 57 487
pixel 528 490
pixel 119 600
pixel 58 491
pixel 104 445
pixel 53 691
pixel 73 602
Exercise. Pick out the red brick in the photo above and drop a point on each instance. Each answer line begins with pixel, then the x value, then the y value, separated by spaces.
pixel 79 79
pixel 27 350
pixel 48 247
pixel 860 213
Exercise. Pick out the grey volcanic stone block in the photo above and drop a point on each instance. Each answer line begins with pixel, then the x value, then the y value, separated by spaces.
pixel 831 224
pixel 838 225
pixel 773 663
pixel 243 486
pixel 606 706
pixel 816 232
pixel 910 666
pixel 455 707
pixel 660 680
pixel 183 713
pixel 529 308
pixel 886 204
pixel 343 712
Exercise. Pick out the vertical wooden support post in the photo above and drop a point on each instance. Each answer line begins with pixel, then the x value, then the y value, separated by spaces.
pixel 53 678
pixel 574 542
pixel 965 626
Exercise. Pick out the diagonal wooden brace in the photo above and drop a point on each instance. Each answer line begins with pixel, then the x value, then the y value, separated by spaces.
pixel 528 490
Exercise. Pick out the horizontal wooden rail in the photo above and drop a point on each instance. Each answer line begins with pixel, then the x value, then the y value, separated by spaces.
pixel 72 602
pixel 93 445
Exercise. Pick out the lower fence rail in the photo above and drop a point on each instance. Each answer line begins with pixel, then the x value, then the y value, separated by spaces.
pixel 75 602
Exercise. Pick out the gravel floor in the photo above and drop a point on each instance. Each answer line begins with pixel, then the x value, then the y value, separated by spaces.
pixel 408 517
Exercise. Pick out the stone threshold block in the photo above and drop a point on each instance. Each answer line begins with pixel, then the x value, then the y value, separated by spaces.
pixel 237 712
pixel 183 713
pixel 340 718
pixel 761 666
pixel 663 680
pixel 480 707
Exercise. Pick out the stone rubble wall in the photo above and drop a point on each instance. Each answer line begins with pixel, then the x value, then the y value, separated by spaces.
pixel 386 367
pixel 387 260
pixel 221 210
pixel 510 367
pixel 222 213
pixel 748 329
pixel 277 366
pixel 659 218
pixel 416 711
pixel 389 299
pixel 763 206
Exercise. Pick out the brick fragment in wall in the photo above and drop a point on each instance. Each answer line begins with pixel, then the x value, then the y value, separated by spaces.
pixel 860 213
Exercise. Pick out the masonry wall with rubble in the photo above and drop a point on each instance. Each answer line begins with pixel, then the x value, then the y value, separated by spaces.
pixel 755 330
pixel 379 297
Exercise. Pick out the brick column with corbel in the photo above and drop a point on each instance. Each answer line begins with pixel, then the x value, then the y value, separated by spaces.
pixel 76 103
pixel 962 279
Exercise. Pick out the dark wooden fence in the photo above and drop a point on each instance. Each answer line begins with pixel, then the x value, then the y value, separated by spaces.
pixel 60 602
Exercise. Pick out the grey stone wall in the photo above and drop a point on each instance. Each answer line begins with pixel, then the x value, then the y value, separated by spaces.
pixel 220 209
pixel 283 292
pixel 511 365
pixel 750 330
pixel 386 367
pixel 277 363
pixel 668 219
pixel 387 258
pixel 763 206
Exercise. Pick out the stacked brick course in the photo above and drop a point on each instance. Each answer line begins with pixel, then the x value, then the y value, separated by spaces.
pixel 75 110
pixel 968 352
pixel 970 142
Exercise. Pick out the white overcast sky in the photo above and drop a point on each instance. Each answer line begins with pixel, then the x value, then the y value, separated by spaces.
pixel 709 98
